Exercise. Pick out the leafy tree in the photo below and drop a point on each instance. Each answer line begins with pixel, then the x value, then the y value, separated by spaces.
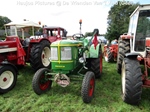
pixel 88 34
pixel 118 19
pixel 91 33
pixel 3 20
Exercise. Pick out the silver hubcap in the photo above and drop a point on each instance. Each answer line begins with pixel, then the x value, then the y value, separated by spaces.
pixel 123 76
pixel 45 56
pixel 6 79
pixel 106 58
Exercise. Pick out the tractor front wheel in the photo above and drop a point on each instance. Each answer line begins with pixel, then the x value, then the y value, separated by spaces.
pixel 88 86
pixel 131 81
pixel 8 78
pixel 41 82
pixel 39 56
pixel 123 48
pixel 97 64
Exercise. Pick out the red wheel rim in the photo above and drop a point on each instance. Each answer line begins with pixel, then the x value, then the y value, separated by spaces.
pixel 5 79
pixel 91 89
pixel 101 64
pixel 43 56
pixel 44 84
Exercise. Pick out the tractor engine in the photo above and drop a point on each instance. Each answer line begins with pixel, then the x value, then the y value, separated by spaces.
pixel 65 56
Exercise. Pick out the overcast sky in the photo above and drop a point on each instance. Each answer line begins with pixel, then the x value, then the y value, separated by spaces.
pixel 64 13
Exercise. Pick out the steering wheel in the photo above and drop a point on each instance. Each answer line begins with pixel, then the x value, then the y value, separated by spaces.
pixel 77 36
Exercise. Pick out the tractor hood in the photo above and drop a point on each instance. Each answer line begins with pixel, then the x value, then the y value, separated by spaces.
pixel 67 43
pixel 64 55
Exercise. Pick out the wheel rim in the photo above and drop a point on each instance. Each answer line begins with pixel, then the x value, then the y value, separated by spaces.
pixel 6 79
pixel 91 89
pixel 101 65
pixel 123 77
pixel 106 58
pixel 45 56
pixel 44 84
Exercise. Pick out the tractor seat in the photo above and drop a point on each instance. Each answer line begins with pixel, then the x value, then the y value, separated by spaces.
pixel 25 43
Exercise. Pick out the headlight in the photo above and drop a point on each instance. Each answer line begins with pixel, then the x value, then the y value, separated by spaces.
pixel 54 54
pixel 66 53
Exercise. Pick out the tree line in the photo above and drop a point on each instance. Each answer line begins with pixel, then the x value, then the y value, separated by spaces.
pixel 3 20
pixel 118 19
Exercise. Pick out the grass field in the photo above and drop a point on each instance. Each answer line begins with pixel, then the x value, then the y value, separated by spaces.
pixel 107 96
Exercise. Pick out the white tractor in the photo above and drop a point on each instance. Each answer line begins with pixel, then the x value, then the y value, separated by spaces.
pixel 133 60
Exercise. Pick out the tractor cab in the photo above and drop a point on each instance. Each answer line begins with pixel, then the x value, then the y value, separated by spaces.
pixel 22 30
pixel 139 29
pixel 54 33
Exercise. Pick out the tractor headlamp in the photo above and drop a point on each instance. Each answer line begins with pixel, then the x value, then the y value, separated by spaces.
pixel 81 60
pixel 66 53
pixel 54 54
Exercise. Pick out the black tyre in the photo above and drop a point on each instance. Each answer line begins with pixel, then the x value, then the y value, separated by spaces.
pixel 8 78
pixel 40 82
pixel 123 48
pixel 97 64
pixel 131 81
pixel 109 56
pixel 39 56
pixel 88 87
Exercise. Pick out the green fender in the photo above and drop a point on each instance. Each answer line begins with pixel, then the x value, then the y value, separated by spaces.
pixel 94 53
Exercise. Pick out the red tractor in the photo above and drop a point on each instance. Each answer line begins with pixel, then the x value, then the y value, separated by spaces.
pixel 16 51
pixel 110 51
pixel 133 60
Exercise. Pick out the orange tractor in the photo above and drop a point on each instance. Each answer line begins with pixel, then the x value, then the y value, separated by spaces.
pixel 133 60
pixel 15 51
pixel 110 51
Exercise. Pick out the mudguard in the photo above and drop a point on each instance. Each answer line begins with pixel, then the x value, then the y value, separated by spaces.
pixel 10 64
pixel 132 55
pixel 94 53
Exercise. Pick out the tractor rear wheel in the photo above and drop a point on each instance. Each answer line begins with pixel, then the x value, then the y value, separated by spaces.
pixel 131 81
pixel 123 48
pixel 39 56
pixel 41 82
pixel 109 56
pixel 8 78
pixel 97 64
pixel 88 86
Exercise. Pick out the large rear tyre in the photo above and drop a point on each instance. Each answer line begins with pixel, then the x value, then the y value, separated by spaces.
pixel 131 81
pixel 39 56
pixel 8 78
pixel 97 64
pixel 109 56
pixel 123 48
pixel 41 82
pixel 88 86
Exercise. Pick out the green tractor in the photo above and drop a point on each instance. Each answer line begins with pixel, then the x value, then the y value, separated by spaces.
pixel 79 59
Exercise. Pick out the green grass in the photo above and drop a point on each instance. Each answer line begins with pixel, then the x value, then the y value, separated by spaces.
pixel 107 96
